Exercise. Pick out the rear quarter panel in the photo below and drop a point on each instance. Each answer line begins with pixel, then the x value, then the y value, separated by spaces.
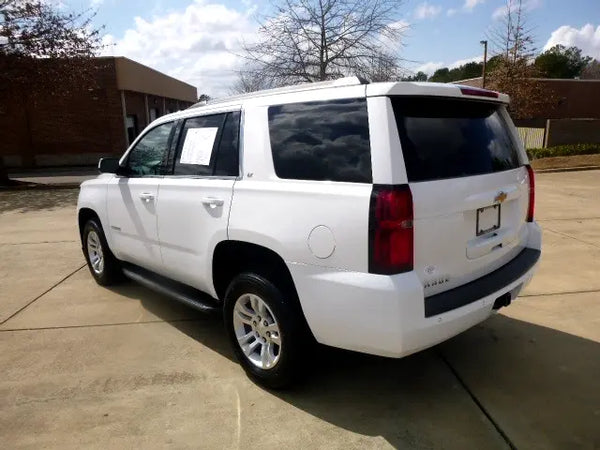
pixel 281 214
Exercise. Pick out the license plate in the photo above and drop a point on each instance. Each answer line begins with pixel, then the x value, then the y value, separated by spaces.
pixel 488 219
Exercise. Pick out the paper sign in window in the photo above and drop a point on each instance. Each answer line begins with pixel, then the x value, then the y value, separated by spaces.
pixel 198 145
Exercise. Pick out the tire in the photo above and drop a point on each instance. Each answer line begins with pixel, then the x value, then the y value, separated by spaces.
pixel 103 265
pixel 285 345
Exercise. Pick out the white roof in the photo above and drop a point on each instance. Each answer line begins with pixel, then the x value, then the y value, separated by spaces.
pixel 344 87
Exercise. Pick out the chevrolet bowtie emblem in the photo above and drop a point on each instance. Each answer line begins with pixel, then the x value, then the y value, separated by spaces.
pixel 500 197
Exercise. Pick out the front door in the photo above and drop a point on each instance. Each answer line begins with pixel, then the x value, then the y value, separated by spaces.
pixel 132 200
pixel 193 212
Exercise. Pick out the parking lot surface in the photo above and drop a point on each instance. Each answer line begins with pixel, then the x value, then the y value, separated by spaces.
pixel 86 366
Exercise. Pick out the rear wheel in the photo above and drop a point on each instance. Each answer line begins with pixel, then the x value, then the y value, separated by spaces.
pixel 103 265
pixel 265 330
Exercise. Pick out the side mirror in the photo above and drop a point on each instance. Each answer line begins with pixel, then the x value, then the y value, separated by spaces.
pixel 108 165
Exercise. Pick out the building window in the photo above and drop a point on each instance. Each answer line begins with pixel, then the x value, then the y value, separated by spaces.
pixel 132 128
pixel 154 114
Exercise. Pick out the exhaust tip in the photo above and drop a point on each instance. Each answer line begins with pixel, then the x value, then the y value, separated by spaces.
pixel 503 300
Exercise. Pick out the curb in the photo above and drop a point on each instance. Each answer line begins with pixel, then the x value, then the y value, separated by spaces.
pixel 39 187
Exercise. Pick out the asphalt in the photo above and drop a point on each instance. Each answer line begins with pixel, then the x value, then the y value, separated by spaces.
pixel 85 366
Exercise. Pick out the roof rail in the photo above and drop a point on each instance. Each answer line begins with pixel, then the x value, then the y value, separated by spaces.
pixel 340 82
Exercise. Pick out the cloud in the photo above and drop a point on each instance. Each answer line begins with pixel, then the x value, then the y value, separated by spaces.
pixel 451 12
pixel 427 11
pixel 96 3
pixel 499 12
pixel 470 4
pixel 587 38
pixel 197 45
pixel 526 5
pixel 461 62
pixel 430 67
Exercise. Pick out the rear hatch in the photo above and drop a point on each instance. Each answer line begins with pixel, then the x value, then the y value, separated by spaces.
pixel 469 185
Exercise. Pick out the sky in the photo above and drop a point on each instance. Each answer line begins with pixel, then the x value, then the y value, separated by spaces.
pixel 198 41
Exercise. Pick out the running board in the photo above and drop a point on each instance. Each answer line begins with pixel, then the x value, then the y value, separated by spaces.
pixel 182 293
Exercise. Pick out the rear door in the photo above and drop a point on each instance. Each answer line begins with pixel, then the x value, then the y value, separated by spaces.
pixel 195 198
pixel 469 187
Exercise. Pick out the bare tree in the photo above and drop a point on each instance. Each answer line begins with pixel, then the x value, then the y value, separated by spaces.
pixel 251 80
pixel 591 71
pixel 314 40
pixel 380 66
pixel 514 71
pixel 41 46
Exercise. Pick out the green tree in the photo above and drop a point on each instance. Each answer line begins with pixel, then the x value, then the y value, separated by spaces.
pixel 561 62
pixel 470 70
pixel 441 75
pixel 419 76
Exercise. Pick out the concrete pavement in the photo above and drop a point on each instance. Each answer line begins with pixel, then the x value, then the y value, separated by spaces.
pixel 85 366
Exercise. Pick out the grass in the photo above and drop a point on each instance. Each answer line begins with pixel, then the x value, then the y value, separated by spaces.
pixel 563 150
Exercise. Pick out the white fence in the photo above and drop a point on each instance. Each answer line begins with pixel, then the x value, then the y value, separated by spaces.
pixel 532 137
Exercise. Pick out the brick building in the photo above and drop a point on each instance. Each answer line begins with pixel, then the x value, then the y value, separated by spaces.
pixel 576 99
pixel 575 118
pixel 81 125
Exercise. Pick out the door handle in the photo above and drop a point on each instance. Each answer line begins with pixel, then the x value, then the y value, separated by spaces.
pixel 147 197
pixel 212 201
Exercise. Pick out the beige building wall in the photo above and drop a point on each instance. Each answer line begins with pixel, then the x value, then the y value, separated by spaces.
pixel 133 76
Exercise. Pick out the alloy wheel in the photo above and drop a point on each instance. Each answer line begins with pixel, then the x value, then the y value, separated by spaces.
pixel 257 331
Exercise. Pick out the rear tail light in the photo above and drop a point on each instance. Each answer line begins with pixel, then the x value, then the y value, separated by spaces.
pixel 531 207
pixel 391 229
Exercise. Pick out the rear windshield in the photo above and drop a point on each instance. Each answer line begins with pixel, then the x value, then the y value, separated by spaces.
pixel 451 138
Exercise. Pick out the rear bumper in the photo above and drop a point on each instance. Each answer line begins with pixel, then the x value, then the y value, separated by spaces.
pixel 389 316
pixel 484 286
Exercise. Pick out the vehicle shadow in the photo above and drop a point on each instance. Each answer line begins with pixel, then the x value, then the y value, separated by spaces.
pixel 541 386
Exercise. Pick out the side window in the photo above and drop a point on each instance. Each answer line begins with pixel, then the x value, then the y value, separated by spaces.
pixel 148 155
pixel 321 141
pixel 208 145
pixel 228 157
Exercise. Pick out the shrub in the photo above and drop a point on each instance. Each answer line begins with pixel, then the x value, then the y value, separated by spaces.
pixel 563 150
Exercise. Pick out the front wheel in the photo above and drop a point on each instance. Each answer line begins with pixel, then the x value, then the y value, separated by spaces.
pixel 103 265
pixel 264 329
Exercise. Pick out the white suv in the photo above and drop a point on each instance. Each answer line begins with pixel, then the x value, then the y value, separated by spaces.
pixel 382 218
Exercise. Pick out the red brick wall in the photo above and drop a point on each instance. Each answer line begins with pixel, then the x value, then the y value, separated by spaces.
pixel 572 131
pixel 59 128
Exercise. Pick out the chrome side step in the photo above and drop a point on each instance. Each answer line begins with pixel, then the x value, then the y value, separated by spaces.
pixel 182 293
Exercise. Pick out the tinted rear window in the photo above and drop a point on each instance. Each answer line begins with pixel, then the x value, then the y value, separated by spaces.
pixel 321 141
pixel 450 138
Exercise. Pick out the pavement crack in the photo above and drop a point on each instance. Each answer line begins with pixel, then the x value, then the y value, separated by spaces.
pixel 98 325
pixel 566 218
pixel 42 294
pixel 560 293
pixel 482 408
pixel 572 237
pixel 38 242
